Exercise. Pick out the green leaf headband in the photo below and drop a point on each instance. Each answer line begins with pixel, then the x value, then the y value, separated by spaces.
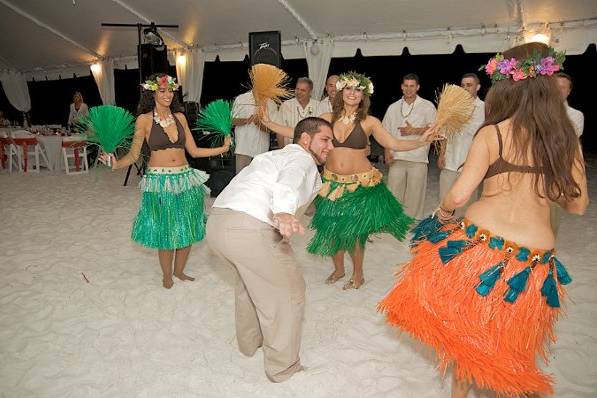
pixel 165 81
pixel 355 80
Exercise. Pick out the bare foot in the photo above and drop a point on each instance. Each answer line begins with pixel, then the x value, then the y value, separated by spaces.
pixel 334 277
pixel 354 283
pixel 184 277
pixel 167 283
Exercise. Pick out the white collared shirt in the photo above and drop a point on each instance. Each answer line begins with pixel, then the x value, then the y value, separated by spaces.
pixel 281 181
pixel 291 112
pixel 249 139
pixel 459 144
pixel 325 106
pixel 420 113
pixel 577 118
pixel 74 114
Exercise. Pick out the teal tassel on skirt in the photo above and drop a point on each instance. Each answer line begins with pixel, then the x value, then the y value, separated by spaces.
pixel 517 285
pixel 353 217
pixel 489 278
pixel 550 291
pixel 452 249
pixel 171 214
pixel 563 276
pixel 426 228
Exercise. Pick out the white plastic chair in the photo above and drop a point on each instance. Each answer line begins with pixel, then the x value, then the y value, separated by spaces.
pixel 29 151
pixel 72 150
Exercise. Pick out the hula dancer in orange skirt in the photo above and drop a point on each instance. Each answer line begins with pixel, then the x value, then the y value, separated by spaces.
pixel 485 292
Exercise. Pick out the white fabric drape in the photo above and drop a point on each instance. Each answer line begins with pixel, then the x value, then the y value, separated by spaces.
pixel 189 69
pixel 319 55
pixel 17 92
pixel 103 74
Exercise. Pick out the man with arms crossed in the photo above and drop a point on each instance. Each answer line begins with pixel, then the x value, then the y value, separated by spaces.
pixel 408 118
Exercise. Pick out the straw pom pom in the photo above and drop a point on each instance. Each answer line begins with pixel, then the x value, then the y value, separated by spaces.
pixel 109 126
pixel 269 82
pixel 454 109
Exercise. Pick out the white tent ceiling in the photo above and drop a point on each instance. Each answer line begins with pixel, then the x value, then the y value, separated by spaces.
pixel 40 37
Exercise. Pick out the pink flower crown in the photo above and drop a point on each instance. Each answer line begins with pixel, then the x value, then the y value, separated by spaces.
pixel 499 68
pixel 165 81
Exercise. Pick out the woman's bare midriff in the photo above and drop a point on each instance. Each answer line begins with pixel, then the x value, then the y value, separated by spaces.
pixel 517 215
pixel 345 161
pixel 171 157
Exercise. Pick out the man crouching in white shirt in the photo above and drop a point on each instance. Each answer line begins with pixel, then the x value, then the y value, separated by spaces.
pixel 249 226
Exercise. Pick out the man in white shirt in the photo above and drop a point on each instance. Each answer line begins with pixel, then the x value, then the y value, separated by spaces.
pixel 296 109
pixel 249 226
pixel 325 106
pixel 408 118
pixel 456 149
pixel 576 117
pixel 250 137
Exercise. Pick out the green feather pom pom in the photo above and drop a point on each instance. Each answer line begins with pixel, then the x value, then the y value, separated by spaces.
pixel 216 118
pixel 109 126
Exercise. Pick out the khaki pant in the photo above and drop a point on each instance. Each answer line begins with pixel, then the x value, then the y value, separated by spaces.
pixel 408 182
pixel 270 289
pixel 242 161
pixel 447 178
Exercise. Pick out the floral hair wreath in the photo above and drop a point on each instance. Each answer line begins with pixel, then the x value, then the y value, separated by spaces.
pixel 499 68
pixel 162 81
pixel 355 80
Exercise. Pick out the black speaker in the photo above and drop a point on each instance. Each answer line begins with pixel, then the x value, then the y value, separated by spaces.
pixel 191 111
pixel 265 48
pixel 152 60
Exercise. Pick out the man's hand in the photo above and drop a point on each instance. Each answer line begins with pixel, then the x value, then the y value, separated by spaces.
pixel 388 157
pixel 408 129
pixel 288 225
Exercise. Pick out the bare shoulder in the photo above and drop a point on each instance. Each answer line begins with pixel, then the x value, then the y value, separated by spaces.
pixel 145 119
pixel 370 121
pixel 181 116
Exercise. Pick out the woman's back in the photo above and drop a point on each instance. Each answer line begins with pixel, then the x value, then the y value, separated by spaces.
pixel 510 205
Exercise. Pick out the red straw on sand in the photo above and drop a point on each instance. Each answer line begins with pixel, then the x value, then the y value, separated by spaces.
pixel 86 280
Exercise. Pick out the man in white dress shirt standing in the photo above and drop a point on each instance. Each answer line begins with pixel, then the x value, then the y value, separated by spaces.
pixel 456 148
pixel 249 226
pixel 325 106
pixel 296 109
pixel 408 118
pixel 578 122
pixel 250 137
pixel 576 117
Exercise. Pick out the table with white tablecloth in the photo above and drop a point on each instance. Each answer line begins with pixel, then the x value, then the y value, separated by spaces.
pixel 53 147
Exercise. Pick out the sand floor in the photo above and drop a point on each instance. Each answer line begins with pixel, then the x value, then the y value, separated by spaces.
pixel 123 335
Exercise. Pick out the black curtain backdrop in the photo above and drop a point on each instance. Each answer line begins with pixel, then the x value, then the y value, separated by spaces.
pixel 50 99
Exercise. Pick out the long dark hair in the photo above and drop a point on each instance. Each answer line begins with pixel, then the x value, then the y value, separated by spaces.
pixel 147 101
pixel 338 107
pixel 540 126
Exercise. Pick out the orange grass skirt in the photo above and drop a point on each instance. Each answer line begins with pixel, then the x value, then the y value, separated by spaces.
pixel 491 342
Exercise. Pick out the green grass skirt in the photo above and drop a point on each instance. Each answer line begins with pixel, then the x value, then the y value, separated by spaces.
pixel 171 214
pixel 353 217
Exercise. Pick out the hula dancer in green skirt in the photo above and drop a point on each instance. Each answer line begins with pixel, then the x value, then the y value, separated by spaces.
pixel 171 216
pixel 354 202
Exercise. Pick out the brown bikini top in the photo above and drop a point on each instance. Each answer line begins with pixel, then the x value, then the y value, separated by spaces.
pixel 158 139
pixel 356 139
pixel 502 166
